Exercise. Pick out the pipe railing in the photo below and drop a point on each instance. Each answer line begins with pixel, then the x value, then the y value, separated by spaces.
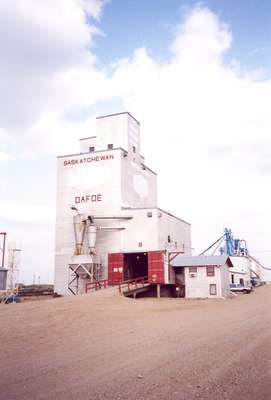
pixel 96 285
pixel 132 284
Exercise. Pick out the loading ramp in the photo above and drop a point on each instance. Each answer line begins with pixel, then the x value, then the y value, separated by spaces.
pixel 132 287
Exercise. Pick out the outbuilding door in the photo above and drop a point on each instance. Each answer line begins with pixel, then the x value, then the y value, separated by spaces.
pixel 115 268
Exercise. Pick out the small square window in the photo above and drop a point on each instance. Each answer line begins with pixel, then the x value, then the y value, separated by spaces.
pixel 212 289
pixel 210 271
pixel 140 244
pixel 92 148
pixel 193 270
pixel 110 146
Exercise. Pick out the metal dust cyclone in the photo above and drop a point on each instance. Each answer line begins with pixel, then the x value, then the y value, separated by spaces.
pixel 79 225
pixel 91 236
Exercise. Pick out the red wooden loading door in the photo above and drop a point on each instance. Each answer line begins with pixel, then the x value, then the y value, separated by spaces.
pixel 115 268
pixel 156 266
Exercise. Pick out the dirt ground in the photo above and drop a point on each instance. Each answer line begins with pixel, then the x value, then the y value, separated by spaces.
pixel 95 347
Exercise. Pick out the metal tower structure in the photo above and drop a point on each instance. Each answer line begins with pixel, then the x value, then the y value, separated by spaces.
pixel 233 246
pixel 229 245
pixel 13 266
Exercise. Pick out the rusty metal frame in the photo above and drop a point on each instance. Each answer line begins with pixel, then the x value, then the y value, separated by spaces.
pixel 75 277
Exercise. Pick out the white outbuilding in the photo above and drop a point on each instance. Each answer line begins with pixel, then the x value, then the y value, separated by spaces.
pixel 202 276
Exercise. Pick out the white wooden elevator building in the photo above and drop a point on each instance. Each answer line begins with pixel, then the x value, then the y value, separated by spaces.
pixel 108 224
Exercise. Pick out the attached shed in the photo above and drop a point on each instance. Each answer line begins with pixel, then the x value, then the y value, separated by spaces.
pixel 241 272
pixel 202 276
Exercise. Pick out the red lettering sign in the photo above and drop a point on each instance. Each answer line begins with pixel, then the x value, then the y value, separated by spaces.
pixel 88 159
pixel 92 198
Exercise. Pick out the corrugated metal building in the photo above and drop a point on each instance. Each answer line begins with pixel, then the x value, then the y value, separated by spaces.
pixel 113 191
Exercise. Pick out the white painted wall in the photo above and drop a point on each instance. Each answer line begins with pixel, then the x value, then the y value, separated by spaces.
pixel 178 230
pixel 86 143
pixel 139 185
pixel 120 129
pixel 224 275
pixel 180 239
pixel 198 287
pixel 141 229
pixel 240 270
pixel 83 176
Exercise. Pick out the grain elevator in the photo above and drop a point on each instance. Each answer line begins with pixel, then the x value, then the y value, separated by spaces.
pixel 108 224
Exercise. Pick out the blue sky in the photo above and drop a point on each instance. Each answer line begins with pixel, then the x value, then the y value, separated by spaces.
pixel 133 23
pixel 196 75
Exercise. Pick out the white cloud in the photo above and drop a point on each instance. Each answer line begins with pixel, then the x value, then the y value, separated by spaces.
pixel 5 156
pixel 201 38
pixel 46 65
pixel 194 98
pixel 25 214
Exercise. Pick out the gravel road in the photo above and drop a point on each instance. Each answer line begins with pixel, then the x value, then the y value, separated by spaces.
pixel 95 347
